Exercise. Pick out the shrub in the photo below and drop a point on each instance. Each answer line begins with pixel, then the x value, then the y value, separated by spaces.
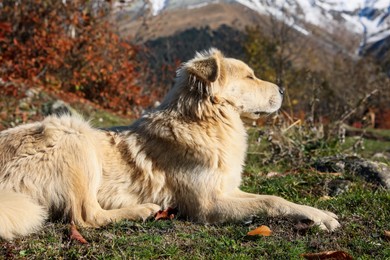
pixel 68 46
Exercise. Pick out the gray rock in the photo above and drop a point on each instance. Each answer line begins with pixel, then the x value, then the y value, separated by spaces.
pixel 58 108
pixel 337 187
pixel 375 172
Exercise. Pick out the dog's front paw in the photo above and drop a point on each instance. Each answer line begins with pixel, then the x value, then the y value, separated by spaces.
pixel 147 210
pixel 325 220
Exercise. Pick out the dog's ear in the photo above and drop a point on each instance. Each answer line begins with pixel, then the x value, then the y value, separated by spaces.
pixel 206 66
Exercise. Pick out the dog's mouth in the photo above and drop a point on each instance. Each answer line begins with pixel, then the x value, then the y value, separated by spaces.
pixel 260 113
pixel 254 115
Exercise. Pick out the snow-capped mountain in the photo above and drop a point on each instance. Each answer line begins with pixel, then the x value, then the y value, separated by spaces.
pixel 370 19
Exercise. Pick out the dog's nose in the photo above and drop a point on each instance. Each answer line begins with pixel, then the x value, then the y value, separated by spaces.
pixel 281 90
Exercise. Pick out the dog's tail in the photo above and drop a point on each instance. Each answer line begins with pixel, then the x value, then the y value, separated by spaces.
pixel 19 215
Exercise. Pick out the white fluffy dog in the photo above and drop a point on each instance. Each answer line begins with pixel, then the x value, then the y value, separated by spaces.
pixel 188 153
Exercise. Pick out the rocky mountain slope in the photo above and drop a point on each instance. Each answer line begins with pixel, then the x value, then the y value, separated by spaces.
pixel 366 22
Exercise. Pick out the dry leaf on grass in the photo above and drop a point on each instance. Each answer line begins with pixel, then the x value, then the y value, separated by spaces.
pixel 387 235
pixel 272 174
pixel 260 231
pixel 75 234
pixel 168 213
pixel 325 198
pixel 334 255
pixel 336 174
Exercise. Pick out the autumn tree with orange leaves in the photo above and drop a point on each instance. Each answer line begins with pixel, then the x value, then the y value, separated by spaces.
pixel 67 47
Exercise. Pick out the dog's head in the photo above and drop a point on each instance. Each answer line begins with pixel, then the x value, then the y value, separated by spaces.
pixel 210 78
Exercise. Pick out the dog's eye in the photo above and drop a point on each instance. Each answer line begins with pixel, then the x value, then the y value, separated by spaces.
pixel 250 77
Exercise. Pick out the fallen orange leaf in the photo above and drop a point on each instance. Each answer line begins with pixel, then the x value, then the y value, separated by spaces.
pixel 335 255
pixel 260 231
pixel 168 213
pixel 75 234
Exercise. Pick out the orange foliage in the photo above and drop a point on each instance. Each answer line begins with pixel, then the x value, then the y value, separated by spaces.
pixel 383 119
pixel 69 47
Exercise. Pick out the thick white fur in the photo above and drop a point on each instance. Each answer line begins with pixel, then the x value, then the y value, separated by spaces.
pixel 188 154
pixel 19 215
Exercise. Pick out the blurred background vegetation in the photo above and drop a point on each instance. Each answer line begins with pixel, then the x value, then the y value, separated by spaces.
pixel 81 52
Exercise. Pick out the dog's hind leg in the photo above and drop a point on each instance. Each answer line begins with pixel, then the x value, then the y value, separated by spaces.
pixel 239 205
pixel 92 215
pixel 102 217
pixel 83 173
pixel 86 211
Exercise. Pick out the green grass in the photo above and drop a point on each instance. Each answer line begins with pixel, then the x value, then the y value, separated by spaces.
pixel 363 210
pixel 371 146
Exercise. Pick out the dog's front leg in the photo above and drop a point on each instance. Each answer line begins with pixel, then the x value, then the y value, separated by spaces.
pixel 239 205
